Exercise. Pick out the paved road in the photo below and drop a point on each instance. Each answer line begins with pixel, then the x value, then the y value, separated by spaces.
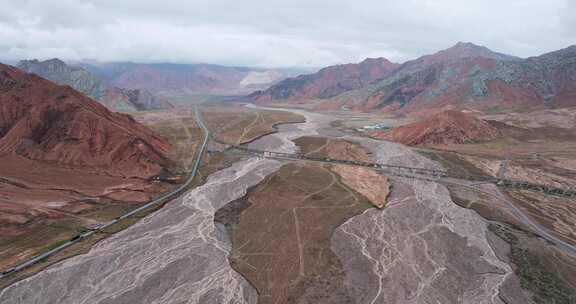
pixel 519 214
pixel 160 200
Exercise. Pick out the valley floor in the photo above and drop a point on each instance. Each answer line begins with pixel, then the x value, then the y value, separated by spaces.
pixel 257 230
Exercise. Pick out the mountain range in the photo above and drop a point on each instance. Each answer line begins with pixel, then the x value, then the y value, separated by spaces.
pixel 177 80
pixel 329 82
pixel 115 98
pixel 465 76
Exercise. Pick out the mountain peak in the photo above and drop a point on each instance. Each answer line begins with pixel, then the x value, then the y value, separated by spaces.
pixel 462 44
pixel 467 44
pixel 375 60
pixel 469 49
pixel 461 50
pixel 379 61
pixel 55 61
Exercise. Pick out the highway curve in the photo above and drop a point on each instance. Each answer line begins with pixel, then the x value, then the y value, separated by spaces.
pixel 160 200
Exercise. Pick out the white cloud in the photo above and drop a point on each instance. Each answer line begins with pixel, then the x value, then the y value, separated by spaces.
pixel 277 33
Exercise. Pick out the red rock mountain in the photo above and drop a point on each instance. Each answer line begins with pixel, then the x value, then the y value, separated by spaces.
pixel 42 121
pixel 461 78
pixel 328 82
pixel 465 76
pixel 449 127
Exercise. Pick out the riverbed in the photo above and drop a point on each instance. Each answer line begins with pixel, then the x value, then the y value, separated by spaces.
pixel 421 248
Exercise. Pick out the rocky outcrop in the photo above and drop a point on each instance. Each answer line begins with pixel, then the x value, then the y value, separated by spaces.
pixel 46 122
pixel 328 82
pixel 372 185
pixel 449 127
pixel 97 88
pixel 126 100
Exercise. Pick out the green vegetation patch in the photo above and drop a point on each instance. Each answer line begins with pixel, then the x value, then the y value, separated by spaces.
pixel 471 141
pixel 456 166
pixel 547 287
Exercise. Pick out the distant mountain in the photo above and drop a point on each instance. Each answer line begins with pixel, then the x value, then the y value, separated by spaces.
pixel 59 72
pixel 449 127
pixel 328 82
pixel 174 80
pixel 115 98
pixel 126 100
pixel 466 76
pixel 43 121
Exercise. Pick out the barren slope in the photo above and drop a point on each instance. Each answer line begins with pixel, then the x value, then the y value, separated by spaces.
pixel 42 121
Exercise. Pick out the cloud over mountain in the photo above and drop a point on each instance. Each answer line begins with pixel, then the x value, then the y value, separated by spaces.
pixel 276 33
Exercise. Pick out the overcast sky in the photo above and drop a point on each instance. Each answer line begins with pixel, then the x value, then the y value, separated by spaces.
pixel 271 33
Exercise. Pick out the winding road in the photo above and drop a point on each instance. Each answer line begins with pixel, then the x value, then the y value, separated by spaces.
pixel 158 201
